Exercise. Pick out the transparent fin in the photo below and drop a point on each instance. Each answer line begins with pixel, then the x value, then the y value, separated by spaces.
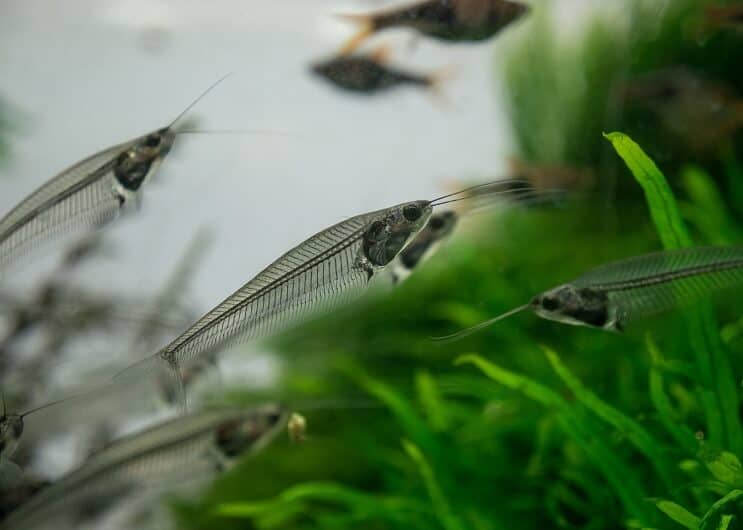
pixel 316 275
pixel 657 282
pixel 161 372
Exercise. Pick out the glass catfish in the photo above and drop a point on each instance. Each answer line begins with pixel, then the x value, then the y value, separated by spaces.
pixel 618 294
pixel 163 457
pixel 331 267
pixel 448 20
pixel 11 428
pixel 88 194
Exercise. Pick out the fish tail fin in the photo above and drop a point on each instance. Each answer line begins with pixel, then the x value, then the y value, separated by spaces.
pixel 366 29
pixel 164 372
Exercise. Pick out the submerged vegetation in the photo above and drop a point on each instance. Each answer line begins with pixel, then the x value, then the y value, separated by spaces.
pixel 531 424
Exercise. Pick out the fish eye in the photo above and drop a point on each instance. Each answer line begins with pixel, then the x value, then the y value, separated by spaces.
pixel 152 140
pixel 412 212
pixel 549 303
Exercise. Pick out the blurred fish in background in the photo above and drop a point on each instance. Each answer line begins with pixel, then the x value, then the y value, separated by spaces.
pixel 686 103
pixel 448 20
pixel 370 74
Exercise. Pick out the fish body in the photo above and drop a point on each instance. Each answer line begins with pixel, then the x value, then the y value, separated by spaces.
pixel 90 193
pixel 328 269
pixel 447 20
pixel 617 295
pixel 366 74
pixel 426 243
pixel 181 449
pixel 11 430
pixel 85 195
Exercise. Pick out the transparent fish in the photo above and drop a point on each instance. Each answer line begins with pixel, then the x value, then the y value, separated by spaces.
pixel 160 458
pixel 448 20
pixel 334 266
pixel 370 74
pixel 11 428
pixel 618 294
pixel 88 194
pixel 426 243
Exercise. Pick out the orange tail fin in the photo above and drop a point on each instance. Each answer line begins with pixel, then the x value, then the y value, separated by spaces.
pixel 366 24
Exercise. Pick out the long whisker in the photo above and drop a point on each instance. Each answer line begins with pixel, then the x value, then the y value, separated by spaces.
pixel 236 131
pixel 527 197
pixel 195 101
pixel 51 404
pixel 468 331
pixel 498 193
pixel 504 182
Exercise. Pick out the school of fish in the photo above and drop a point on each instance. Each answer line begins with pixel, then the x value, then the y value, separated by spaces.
pixel 321 274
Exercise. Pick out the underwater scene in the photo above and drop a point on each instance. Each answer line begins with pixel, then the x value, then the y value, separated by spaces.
pixel 371 264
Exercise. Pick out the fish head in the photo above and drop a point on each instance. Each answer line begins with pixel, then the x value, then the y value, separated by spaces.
pixel 577 306
pixel 143 156
pixel 11 429
pixel 387 235
pixel 249 432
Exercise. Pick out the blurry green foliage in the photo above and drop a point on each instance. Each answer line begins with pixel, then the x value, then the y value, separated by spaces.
pixel 530 423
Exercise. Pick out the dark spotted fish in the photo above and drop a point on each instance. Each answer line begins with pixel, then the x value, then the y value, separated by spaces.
pixel 618 294
pixel 88 194
pixel 158 459
pixel 332 267
pixel 448 20
pixel 369 74
pixel 426 243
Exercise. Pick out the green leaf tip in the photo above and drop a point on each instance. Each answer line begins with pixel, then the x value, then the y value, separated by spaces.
pixel 661 201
